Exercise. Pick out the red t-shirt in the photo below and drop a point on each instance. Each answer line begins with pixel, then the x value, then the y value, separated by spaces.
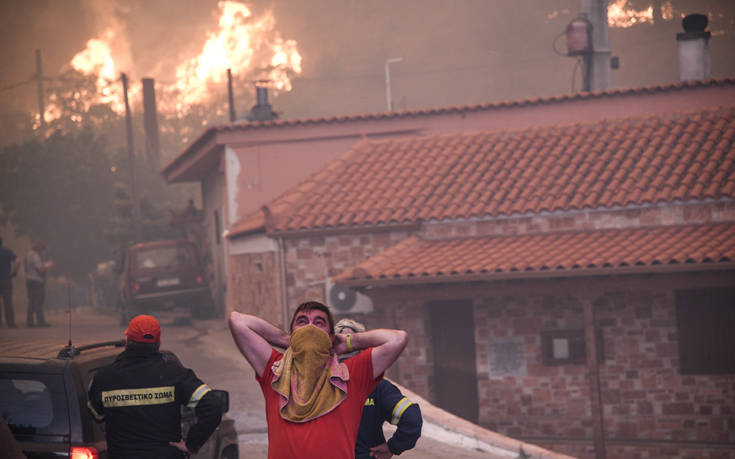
pixel 332 435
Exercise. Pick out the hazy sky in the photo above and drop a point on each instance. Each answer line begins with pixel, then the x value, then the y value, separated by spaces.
pixel 454 51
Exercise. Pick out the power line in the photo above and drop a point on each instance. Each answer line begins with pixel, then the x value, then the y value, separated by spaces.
pixel 18 84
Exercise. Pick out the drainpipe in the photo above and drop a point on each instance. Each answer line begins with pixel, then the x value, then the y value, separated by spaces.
pixel 593 374
pixel 284 289
pixel 267 216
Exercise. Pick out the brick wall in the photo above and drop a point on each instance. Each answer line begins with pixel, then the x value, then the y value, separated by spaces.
pixel 311 260
pixel 414 367
pixel 529 398
pixel 644 396
pixel 254 287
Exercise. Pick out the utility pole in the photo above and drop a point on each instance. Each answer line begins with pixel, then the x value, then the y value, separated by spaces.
pixel 131 159
pixel 39 80
pixel 388 62
pixel 150 122
pixel 597 61
pixel 231 96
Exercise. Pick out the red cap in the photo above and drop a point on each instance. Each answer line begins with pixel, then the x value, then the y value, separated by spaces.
pixel 144 329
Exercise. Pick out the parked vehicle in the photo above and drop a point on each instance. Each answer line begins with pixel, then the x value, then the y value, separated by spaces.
pixel 163 276
pixel 43 398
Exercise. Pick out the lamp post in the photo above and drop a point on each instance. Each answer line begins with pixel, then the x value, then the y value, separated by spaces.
pixel 388 62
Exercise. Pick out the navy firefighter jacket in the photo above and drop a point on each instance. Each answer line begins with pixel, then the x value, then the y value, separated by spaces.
pixel 139 397
pixel 387 403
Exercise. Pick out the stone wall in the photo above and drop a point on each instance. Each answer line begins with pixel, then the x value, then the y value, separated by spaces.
pixel 652 215
pixel 645 398
pixel 311 260
pixel 254 287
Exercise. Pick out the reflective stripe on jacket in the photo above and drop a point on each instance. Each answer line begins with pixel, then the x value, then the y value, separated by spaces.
pixel 387 404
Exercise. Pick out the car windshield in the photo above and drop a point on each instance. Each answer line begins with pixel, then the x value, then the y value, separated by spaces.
pixel 162 257
pixel 34 404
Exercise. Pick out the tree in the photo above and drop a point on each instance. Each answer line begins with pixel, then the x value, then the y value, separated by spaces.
pixel 59 190
pixel 69 191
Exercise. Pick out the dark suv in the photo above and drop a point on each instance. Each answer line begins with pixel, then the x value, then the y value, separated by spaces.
pixel 163 276
pixel 43 398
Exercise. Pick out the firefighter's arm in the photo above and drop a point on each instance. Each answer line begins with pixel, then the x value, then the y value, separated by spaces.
pixel 408 431
pixel 404 414
pixel 208 409
pixel 209 415
pixel 254 337
pixel 94 402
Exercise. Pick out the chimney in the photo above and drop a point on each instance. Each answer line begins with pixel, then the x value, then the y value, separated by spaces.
pixel 695 62
pixel 262 110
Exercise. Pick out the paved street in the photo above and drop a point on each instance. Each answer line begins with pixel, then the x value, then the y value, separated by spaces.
pixel 205 346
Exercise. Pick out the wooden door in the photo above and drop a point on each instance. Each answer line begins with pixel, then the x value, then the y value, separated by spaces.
pixel 455 375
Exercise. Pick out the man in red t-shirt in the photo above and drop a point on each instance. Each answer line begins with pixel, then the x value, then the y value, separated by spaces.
pixel 313 402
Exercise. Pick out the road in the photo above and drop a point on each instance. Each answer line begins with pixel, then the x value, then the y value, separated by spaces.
pixel 205 346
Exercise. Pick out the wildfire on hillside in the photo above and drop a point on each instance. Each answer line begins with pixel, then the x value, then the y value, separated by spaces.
pixel 250 46
pixel 620 14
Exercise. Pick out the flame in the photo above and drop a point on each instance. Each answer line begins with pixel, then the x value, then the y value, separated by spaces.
pixel 240 44
pixel 97 57
pixel 249 46
pixel 619 15
pixel 667 11
pixel 286 58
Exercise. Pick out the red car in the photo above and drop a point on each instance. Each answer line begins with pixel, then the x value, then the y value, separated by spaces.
pixel 163 276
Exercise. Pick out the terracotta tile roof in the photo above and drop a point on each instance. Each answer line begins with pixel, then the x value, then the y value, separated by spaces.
pixel 549 255
pixel 608 164
pixel 245 126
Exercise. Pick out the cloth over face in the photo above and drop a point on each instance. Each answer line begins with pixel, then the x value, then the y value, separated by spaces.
pixel 309 378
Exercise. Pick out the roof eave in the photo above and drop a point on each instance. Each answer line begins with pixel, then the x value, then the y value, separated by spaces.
pixel 340 230
pixel 231 235
pixel 548 274
pixel 178 169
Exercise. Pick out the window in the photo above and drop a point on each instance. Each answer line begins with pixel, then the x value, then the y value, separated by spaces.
pixel 161 257
pixel 34 404
pixel 563 347
pixel 705 322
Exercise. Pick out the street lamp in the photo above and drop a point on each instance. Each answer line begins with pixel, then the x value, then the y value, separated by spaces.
pixel 388 62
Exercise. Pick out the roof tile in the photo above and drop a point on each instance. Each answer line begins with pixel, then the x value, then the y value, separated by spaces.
pixel 490 174
pixel 637 249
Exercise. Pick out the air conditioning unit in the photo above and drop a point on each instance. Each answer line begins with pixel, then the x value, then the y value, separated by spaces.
pixel 344 300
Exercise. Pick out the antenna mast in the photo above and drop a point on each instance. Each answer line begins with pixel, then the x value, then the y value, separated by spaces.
pixel 68 297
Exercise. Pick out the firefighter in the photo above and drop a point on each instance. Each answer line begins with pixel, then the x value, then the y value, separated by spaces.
pixel 139 397
pixel 385 404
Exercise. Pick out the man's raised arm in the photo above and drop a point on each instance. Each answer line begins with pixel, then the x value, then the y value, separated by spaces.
pixel 387 346
pixel 254 337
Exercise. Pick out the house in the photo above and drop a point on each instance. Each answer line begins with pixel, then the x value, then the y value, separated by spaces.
pixel 244 165
pixel 569 281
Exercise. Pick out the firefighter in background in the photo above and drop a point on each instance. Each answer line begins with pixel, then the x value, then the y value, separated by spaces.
pixel 385 404
pixel 139 397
